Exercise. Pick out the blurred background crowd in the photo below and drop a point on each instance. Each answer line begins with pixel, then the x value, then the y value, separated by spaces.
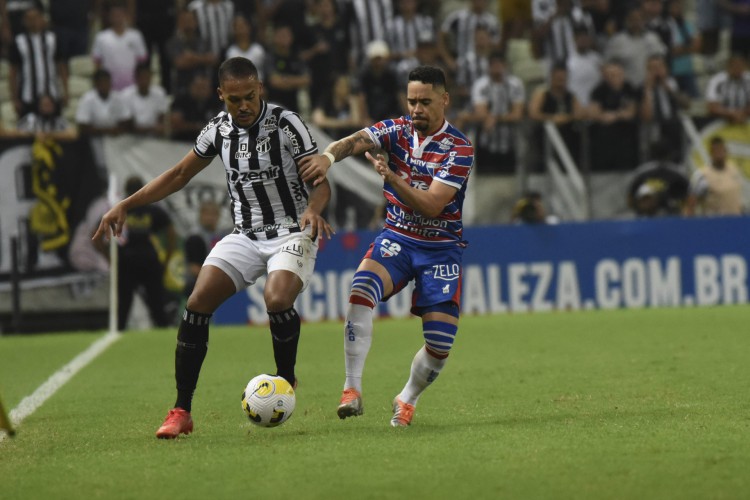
pixel 552 92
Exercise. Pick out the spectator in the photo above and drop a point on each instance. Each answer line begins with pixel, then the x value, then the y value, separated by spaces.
pixel 139 265
pixel 716 189
pixel 728 92
pixel 46 121
pixel 189 53
pixel 190 112
pixel 558 105
pixel 660 108
pixel 405 30
pixel 614 136
pixel 633 46
pixel 711 19
pixel 457 31
pixel 378 86
pixel 293 14
pixel 584 67
pixel 147 104
pixel 325 57
pixel 655 21
pixel 338 115
pixel 86 254
pixel 529 209
pixel 559 32
pixel 12 13
pixel 685 43
pixel 604 18
pixel 200 242
pixel 367 21
pixel 214 23
pixel 119 49
pixel 100 110
pixel 497 101
pixel 71 21
pixel 155 19
pixel 658 187
pixel 739 11
pixel 472 65
pixel 36 66
pixel 286 74
pixel 245 46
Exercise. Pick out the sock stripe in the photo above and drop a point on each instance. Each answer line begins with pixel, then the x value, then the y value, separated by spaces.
pixel 195 318
pixel 439 337
pixel 367 289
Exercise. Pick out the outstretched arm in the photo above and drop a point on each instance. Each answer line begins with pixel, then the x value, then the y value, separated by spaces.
pixel 313 168
pixel 428 203
pixel 157 189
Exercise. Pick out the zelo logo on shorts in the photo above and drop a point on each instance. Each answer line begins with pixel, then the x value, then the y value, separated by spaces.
pixel 388 248
pixel 294 249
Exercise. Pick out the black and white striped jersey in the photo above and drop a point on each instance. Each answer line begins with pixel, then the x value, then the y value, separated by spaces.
pixel 461 24
pixel 731 93
pixel 267 194
pixel 367 20
pixel 214 22
pixel 403 34
pixel 36 56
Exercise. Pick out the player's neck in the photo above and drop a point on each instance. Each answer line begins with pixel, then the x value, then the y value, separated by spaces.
pixel 431 132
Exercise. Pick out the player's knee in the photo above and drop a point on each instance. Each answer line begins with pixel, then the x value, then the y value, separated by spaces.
pixel 200 302
pixel 439 337
pixel 278 302
pixel 367 289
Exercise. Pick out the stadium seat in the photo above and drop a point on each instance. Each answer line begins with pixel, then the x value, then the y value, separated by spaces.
pixel 78 85
pixel 4 67
pixel 69 112
pixel 8 115
pixel 82 66
pixel 4 92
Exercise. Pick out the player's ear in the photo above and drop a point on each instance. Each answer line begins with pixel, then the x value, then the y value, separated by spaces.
pixel 221 95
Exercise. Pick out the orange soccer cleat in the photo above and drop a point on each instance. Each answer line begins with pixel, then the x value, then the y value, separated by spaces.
pixel 351 404
pixel 402 413
pixel 178 422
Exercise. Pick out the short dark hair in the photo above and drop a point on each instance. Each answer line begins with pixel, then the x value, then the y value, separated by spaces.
pixel 429 75
pixel 133 184
pixel 717 140
pixel 101 74
pixel 142 66
pixel 237 67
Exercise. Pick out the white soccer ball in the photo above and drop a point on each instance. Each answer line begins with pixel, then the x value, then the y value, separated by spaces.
pixel 268 400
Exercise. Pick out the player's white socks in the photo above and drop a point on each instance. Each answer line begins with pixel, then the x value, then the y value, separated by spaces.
pixel 424 370
pixel 357 341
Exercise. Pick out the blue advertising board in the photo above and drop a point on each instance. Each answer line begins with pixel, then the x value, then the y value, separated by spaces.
pixel 668 262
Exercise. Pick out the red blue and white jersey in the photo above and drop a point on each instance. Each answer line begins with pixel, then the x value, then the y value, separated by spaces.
pixel 447 157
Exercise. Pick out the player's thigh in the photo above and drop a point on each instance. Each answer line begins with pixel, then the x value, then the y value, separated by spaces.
pixel 212 288
pixel 390 259
pixel 438 277
pixel 290 264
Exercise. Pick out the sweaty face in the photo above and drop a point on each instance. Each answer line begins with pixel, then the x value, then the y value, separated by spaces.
pixel 426 106
pixel 242 98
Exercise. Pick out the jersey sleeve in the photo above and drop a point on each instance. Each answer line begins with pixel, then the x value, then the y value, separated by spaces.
pixel 205 143
pixel 456 167
pixel 296 137
pixel 386 132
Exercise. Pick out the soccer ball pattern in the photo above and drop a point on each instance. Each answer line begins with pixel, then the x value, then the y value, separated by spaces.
pixel 268 400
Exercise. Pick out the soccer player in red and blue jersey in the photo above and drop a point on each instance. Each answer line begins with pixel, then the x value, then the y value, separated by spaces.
pixel 424 183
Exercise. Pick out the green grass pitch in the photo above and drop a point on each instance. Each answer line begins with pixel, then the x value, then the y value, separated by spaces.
pixel 599 404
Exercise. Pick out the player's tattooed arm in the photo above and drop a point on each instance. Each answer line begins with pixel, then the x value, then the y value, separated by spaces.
pixel 313 168
pixel 355 144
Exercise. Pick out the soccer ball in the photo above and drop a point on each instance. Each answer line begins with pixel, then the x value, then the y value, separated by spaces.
pixel 268 400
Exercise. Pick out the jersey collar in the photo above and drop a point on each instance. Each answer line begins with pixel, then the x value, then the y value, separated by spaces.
pixel 416 148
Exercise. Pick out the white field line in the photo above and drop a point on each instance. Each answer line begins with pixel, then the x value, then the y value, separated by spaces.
pixel 31 403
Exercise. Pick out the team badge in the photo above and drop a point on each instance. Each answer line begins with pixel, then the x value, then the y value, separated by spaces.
pixel 263 145
pixel 389 248
pixel 225 129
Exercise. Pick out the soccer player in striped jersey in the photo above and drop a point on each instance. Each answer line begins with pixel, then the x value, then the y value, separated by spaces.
pixel 277 222
pixel 425 179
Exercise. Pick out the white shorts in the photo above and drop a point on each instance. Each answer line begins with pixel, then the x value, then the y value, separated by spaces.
pixel 245 260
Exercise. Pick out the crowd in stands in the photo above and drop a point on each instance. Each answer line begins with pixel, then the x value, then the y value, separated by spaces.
pixel 621 73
